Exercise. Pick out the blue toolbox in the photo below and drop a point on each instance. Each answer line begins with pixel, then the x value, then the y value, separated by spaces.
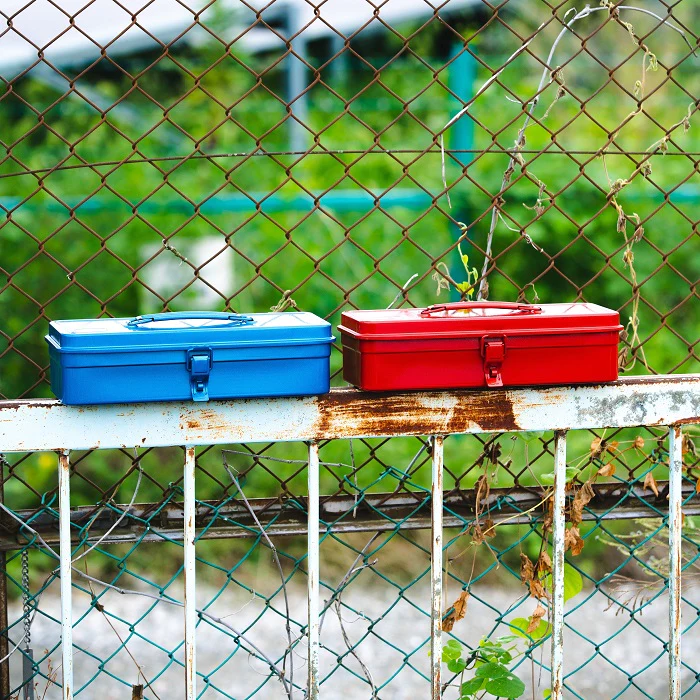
pixel 189 356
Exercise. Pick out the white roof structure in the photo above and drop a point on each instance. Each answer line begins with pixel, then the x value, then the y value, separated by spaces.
pixel 75 32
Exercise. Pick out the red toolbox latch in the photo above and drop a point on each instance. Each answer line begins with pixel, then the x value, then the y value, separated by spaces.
pixel 493 350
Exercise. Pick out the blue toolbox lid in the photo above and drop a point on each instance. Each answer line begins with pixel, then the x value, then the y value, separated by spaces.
pixel 178 329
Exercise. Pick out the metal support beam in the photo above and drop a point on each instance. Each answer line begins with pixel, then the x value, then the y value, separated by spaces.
pixel 559 548
pixel 675 544
pixel 436 569
pixel 190 585
pixel 313 568
pixel 27 426
pixel 65 566
pixel 375 512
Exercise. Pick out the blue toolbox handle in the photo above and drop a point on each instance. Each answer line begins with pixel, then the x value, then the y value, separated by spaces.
pixel 235 319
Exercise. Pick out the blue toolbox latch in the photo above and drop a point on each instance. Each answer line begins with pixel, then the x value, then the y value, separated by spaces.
pixel 199 362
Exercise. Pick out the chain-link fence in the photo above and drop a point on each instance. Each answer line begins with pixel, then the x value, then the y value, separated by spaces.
pixel 176 154
pixel 375 568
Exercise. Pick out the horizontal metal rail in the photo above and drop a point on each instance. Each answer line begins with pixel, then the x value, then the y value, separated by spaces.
pixel 376 512
pixel 30 426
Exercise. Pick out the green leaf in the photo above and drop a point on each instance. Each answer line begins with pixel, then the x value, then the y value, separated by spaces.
pixel 547 693
pixel 471 687
pixel 491 670
pixel 573 583
pixel 456 665
pixel 509 686
pixel 451 651
pixel 497 654
pixel 548 477
pixel 520 624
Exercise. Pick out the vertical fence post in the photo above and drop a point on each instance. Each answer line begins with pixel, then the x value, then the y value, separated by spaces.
pixel 297 77
pixel 65 563
pixel 190 587
pixel 558 532
pixel 436 570
pixel 675 542
pixel 313 566
pixel 4 641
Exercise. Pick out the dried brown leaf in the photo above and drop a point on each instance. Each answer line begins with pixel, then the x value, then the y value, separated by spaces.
pixel 527 568
pixel 688 446
pixel 482 487
pixel 638 442
pixel 622 360
pixel 607 469
pixel 456 612
pixel 544 564
pixel 537 589
pixel 489 529
pixel 612 446
pixel 650 483
pixel 530 579
pixel 573 541
pixel 535 618
pixel 697 486
pixel 581 500
pixel 548 517
pixel 596 448
pixel 621 221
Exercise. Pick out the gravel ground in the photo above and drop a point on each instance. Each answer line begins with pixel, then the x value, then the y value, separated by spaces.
pixel 398 635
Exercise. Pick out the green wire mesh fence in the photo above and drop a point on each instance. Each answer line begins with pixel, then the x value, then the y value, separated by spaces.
pixel 375 573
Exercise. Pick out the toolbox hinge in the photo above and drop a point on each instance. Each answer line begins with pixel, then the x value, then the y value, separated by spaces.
pixel 199 363
pixel 493 350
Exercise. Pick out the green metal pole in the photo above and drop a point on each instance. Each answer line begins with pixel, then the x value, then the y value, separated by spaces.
pixel 460 79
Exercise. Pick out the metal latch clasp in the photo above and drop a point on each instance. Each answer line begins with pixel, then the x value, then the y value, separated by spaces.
pixel 199 363
pixel 493 350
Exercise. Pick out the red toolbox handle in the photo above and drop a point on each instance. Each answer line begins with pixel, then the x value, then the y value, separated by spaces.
pixel 508 305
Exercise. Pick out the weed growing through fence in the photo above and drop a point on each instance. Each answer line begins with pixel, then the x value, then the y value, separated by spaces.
pixel 489 663
pixel 554 74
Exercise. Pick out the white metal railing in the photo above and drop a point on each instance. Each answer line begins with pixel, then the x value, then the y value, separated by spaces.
pixel 27 426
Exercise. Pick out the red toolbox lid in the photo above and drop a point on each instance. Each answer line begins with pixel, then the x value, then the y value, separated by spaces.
pixel 467 318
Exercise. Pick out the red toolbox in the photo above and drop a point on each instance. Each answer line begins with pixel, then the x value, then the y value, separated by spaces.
pixel 480 344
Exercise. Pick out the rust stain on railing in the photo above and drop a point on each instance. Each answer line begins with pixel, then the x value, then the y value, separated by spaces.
pixel 346 413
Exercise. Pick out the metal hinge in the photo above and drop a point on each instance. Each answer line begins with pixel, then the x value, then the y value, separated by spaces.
pixel 199 363
pixel 493 350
